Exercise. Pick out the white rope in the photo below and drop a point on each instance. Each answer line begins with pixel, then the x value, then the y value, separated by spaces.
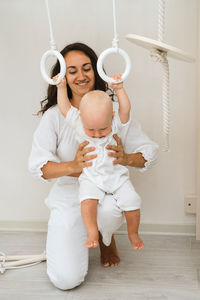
pixel 161 56
pixel 115 39
pixel 116 50
pixel 161 20
pixel 52 41
pixel 165 104
pixel 52 52
pixel 24 262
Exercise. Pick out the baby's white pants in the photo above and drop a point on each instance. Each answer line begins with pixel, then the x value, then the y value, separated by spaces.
pixel 67 257
pixel 125 196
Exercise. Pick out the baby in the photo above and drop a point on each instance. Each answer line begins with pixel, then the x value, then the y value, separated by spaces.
pixel 96 122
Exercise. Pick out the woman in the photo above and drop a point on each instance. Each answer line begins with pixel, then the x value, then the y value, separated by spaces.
pixel 54 155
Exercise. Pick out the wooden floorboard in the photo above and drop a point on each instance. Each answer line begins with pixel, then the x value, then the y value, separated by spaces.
pixel 167 269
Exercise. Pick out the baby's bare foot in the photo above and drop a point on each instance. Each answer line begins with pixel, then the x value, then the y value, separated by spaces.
pixel 92 240
pixel 136 241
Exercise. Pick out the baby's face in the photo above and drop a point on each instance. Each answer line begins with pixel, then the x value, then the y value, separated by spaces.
pixel 97 126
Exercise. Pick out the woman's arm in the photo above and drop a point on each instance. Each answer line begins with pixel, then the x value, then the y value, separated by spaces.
pixel 44 162
pixel 54 170
pixel 71 168
pixel 133 159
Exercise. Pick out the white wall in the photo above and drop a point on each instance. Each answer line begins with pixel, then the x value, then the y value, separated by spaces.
pixel 24 35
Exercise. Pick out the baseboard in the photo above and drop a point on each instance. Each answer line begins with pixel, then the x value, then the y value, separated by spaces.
pixel 37 226
pixel 161 229
pixel 164 229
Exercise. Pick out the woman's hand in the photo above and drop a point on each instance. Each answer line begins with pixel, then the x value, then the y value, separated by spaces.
pixel 82 159
pixel 119 154
pixel 133 159
pixel 70 168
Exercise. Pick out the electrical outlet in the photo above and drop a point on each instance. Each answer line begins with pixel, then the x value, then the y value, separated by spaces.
pixel 190 204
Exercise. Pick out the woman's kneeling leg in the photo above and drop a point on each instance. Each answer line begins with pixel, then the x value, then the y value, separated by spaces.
pixel 67 258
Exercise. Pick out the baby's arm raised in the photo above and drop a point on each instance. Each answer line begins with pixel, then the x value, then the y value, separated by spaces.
pixel 62 97
pixel 123 99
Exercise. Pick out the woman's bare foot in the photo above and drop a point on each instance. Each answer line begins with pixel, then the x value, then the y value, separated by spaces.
pixel 92 240
pixel 109 254
pixel 136 241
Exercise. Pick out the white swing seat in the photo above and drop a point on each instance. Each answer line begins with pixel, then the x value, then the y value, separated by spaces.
pixel 153 44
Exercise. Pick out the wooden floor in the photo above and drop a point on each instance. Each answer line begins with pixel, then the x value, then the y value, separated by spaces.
pixel 167 269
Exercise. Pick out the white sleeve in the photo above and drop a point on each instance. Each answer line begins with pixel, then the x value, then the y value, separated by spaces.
pixel 136 141
pixel 44 144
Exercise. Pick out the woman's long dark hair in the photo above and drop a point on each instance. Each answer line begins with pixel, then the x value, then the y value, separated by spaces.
pixel 51 98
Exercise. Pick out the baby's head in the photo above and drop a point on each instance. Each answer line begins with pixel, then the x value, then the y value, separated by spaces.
pixel 96 112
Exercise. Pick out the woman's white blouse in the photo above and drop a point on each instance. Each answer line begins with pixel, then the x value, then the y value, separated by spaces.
pixel 54 140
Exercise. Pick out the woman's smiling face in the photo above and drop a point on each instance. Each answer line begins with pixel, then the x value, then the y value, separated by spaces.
pixel 79 72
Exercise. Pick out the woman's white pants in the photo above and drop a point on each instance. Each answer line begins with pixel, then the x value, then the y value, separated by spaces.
pixel 67 257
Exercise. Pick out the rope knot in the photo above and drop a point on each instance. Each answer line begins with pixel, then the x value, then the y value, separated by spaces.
pixel 158 55
pixel 53 45
pixel 115 42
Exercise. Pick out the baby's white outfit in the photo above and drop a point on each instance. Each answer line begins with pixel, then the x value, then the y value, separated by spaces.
pixel 103 176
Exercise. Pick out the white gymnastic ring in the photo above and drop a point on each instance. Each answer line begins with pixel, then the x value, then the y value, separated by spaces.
pixel 62 66
pixel 100 64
